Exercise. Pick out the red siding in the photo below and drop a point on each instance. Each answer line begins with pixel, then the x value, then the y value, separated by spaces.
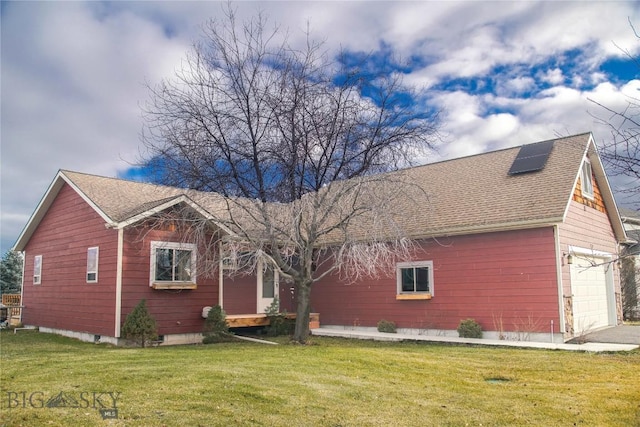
pixel 175 311
pixel 506 276
pixel 240 294
pixel 64 300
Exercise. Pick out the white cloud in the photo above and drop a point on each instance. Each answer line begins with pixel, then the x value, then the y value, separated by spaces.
pixel 516 86
pixel 553 76
pixel 70 95
pixel 73 73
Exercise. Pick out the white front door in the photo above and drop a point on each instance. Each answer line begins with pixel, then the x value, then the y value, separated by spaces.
pixel 267 286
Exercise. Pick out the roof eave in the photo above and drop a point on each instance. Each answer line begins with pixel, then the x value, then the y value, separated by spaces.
pixel 491 228
pixel 173 202
pixel 606 192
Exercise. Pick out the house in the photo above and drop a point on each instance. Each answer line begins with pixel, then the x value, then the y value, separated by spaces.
pixel 523 240
pixel 631 264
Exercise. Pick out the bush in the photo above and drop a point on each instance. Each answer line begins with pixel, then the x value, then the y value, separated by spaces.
pixel 215 327
pixel 469 329
pixel 140 326
pixel 387 326
pixel 278 322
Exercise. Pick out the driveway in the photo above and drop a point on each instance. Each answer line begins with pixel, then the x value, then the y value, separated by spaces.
pixel 623 334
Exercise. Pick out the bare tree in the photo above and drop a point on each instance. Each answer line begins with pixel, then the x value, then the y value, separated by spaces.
pixel 621 153
pixel 296 144
pixel 630 284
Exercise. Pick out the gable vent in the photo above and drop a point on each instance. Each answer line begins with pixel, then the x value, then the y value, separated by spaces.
pixel 531 158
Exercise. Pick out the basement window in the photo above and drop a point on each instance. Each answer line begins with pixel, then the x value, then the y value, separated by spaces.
pixel 587 180
pixel 414 280
pixel 173 265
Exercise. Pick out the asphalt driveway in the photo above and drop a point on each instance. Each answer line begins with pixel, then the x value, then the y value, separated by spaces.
pixel 623 334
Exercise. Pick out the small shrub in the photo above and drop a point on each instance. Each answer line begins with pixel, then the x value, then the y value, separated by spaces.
pixel 469 328
pixel 387 326
pixel 215 326
pixel 140 326
pixel 278 322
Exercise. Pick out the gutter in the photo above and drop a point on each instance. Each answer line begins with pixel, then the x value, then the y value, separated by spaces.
pixel 474 229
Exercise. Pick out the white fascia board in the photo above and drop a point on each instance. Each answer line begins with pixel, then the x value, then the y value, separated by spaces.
pixel 177 200
pixel 607 193
pixel 575 179
pixel 510 226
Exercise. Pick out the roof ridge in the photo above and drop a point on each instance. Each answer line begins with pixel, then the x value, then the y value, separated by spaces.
pixel 132 181
pixel 485 153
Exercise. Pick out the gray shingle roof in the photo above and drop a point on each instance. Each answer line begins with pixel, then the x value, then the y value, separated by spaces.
pixel 463 195
pixel 120 199
pixel 468 193
pixel 477 191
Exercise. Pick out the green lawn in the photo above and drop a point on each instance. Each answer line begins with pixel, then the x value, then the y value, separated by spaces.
pixel 330 382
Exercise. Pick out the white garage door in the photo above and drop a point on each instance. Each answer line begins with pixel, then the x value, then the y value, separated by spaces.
pixel 590 300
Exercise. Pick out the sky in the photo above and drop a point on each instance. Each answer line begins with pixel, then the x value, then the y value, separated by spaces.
pixel 74 75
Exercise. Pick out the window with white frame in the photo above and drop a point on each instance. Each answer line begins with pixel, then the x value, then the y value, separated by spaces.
pixel 586 180
pixel 173 265
pixel 92 265
pixel 37 269
pixel 415 278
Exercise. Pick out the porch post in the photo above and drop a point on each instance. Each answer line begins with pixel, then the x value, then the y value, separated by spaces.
pixel 220 277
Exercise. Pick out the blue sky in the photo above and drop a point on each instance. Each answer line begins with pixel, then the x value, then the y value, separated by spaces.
pixel 504 73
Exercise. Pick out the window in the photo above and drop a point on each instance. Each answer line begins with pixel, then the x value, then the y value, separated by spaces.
pixel 268 282
pixel 587 183
pixel 173 265
pixel 415 280
pixel 37 269
pixel 92 265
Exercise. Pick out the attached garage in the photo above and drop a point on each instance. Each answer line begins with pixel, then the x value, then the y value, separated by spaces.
pixel 591 284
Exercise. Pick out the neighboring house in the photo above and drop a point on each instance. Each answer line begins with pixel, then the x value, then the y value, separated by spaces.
pixel 522 240
pixel 631 266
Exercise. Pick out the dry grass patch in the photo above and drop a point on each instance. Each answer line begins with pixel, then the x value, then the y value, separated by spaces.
pixel 332 382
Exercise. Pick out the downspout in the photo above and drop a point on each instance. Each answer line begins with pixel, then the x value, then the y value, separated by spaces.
pixel 119 282
pixel 220 277
pixel 559 262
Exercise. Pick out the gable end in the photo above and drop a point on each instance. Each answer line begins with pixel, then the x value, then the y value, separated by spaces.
pixel 596 202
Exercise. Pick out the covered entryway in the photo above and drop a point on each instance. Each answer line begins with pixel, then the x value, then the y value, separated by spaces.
pixel 592 291
pixel 268 286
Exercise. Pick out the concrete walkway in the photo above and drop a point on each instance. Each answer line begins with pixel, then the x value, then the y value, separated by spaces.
pixel 379 336
pixel 623 334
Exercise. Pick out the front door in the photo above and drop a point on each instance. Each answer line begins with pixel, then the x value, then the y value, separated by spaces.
pixel 267 286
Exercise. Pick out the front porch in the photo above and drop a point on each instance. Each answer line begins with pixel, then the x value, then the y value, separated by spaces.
pixel 261 319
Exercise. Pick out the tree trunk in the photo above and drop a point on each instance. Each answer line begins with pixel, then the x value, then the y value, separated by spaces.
pixel 302 313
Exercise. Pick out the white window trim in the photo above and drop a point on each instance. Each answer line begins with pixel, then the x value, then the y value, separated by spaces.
pixel 37 278
pixel 587 177
pixel 403 295
pixel 162 284
pixel 95 271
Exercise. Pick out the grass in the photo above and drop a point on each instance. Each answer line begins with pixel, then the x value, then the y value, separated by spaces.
pixel 331 382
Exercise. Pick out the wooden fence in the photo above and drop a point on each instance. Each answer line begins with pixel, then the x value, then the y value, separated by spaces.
pixel 14 308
